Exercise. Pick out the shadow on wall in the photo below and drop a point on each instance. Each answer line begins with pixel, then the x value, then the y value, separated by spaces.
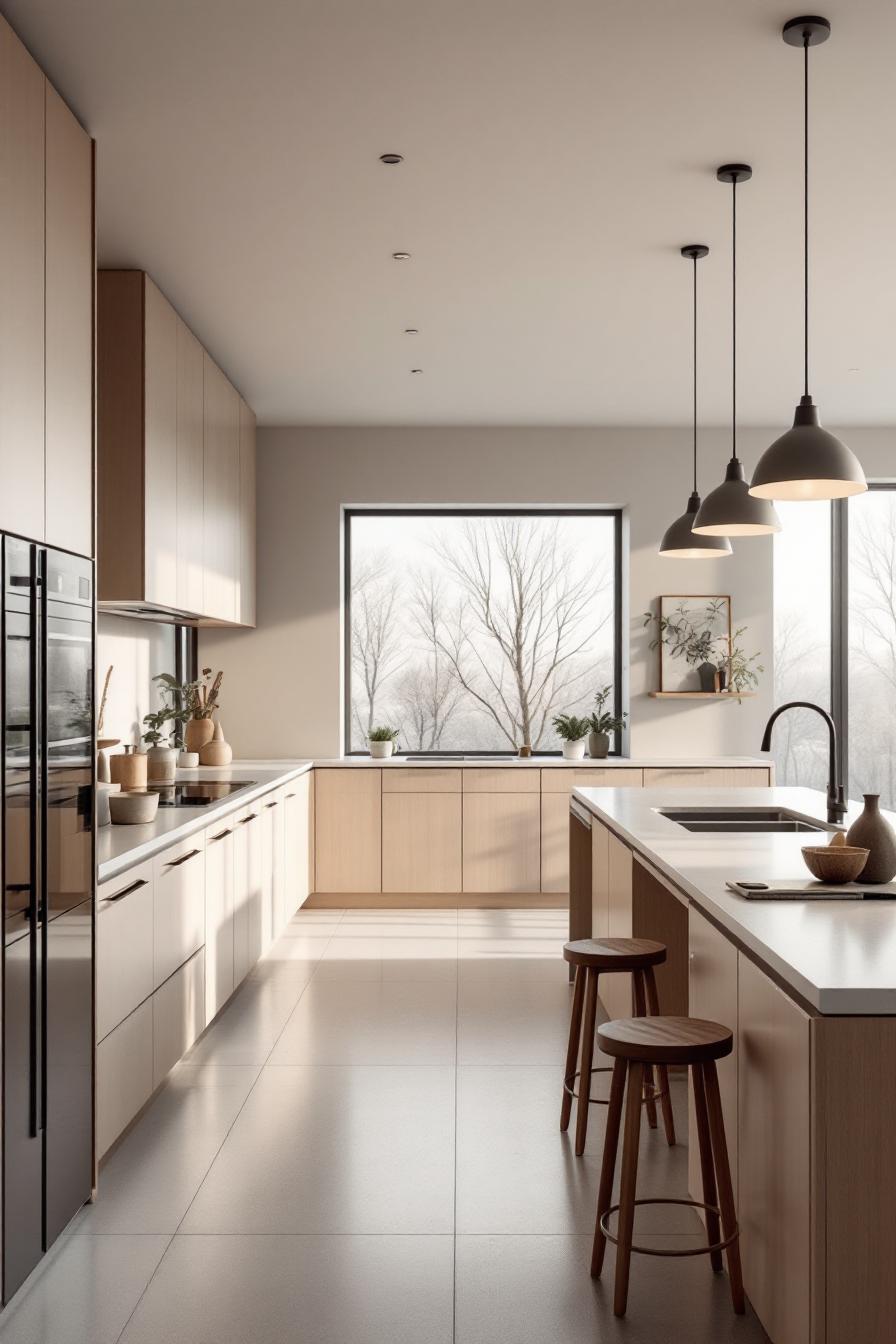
pixel 138 651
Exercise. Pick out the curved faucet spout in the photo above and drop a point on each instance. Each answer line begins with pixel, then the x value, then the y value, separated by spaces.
pixel 836 795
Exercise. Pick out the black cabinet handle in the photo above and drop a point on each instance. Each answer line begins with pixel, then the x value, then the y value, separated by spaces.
pixel 176 863
pixel 271 804
pixel 252 817
pixel 120 895
pixel 222 835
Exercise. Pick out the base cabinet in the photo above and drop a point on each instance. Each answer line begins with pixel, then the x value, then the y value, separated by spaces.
pixel 124 1075
pixel 422 842
pixel 248 868
pixel 124 923
pixel 179 906
pixel 348 830
pixel 501 842
pixel 178 1015
pixel 219 901
pixel 298 863
pixel 556 786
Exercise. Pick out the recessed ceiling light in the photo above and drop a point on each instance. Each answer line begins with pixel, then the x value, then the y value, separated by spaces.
pixel 391 158
pixel 401 256
pixel 416 370
pixel 414 331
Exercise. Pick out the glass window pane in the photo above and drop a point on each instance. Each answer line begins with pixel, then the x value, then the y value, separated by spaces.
pixel 802 611
pixel 872 645
pixel 469 632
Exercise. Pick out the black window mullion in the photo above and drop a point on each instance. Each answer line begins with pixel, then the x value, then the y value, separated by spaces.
pixel 840 629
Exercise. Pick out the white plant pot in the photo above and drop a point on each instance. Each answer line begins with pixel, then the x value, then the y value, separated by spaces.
pixel 188 760
pixel 381 751
pixel 574 751
pixel 161 765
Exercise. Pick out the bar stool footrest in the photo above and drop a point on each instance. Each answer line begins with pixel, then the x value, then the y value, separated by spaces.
pixel 651 1250
pixel 651 1091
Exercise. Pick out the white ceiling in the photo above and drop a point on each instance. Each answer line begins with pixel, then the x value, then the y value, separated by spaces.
pixel 556 156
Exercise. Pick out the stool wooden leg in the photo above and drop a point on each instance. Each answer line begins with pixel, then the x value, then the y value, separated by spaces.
pixel 706 1163
pixel 585 1064
pixel 628 1184
pixel 723 1180
pixel 662 1073
pixel 640 1006
pixel 608 1164
pixel 572 1050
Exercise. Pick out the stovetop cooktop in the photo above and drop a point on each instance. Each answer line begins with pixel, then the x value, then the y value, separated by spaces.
pixel 198 793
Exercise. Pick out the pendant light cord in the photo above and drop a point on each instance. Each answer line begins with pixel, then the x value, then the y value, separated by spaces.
pixel 734 315
pixel 695 372
pixel 806 36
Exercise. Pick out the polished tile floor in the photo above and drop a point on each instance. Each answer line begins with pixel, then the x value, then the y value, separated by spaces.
pixel 364 1149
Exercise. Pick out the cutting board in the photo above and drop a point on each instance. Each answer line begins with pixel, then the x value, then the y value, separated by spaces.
pixel 804 889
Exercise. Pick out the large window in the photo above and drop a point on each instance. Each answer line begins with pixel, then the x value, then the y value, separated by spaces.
pixel 835 639
pixel 468 631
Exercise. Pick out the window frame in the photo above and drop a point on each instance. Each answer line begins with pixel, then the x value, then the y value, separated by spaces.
pixel 349 512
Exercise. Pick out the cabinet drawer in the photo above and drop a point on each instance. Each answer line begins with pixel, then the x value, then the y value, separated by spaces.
pixel 564 780
pixel 178 905
pixel 710 777
pixel 178 1016
pixel 428 779
pixel 124 934
pixel 505 779
pixel 123 1075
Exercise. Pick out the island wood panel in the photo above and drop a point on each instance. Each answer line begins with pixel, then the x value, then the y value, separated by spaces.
pixel 348 830
pixel 504 779
pixel 659 914
pixel 422 842
pixel 711 777
pixel 600 880
pixel 556 786
pixel 190 470
pixel 160 448
pixel 502 841
pixel 616 990
pixel 22 222
pixel 712 994
pixel 774 1155
pixel 432 779
pixel 69 329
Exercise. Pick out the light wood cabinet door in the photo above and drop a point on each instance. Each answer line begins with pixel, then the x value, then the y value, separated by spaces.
pixel 22 383
pixel 502 841
pixel 124 924
pixel 221 494
pixel 712 994
pixel 774 1154
pixel 190 470
pixel 348 830
pixel 600 880
pixel 501 779
pixel 616 990
pixel 246 612
pixel 219 898
pixel 422 839
pixel 69 329
pixel 178 1016
pixel 557 785
pixel 298 825
pixel 160 447
pixel 711 777
pixel 248 892
pixel 123 1075
pixel 178 878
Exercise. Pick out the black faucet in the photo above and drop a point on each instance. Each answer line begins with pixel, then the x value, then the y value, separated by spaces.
pixel 836 796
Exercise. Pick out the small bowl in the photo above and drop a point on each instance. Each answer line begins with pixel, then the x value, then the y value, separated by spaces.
pixel 835 863
pixel 134 808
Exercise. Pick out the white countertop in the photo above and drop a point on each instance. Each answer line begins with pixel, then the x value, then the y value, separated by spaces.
pixel 839 956
pixel 550 762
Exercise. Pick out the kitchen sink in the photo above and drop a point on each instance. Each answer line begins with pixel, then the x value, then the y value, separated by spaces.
pixel 743 820
pixel 437 760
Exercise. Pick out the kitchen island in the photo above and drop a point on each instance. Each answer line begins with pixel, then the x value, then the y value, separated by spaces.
pixel 809 989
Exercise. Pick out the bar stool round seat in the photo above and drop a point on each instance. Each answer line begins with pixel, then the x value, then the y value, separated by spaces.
pixel 592 958
pixel 638 1045
pixel 614 954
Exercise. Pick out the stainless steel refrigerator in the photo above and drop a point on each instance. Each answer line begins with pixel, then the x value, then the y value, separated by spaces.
pixel 48 783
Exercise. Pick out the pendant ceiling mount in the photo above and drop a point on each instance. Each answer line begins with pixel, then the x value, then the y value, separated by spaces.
pixel 807 462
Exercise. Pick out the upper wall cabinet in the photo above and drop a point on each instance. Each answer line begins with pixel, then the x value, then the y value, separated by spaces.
pixel 47 309
pixel 176 465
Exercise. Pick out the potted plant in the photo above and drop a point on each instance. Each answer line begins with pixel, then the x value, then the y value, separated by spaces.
pixel 381 742
pixel 603 725
pixel 572 732
pixel 161 762
pixel 719 660
pixel 197 703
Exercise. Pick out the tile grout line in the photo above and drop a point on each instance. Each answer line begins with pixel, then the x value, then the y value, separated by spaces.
pixel 217 1154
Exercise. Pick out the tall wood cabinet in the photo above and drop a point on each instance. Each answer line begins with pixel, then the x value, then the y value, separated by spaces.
pixel 176 465
pixel 47 308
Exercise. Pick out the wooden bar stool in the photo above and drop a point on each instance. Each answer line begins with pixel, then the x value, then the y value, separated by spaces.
pixel 637 1043
pixel 592 958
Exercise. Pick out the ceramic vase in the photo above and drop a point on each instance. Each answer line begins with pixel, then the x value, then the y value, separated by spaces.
pixel 217 751
pixel 873 832
pixel 161 765
pixel 707 674
pixel 381 751
pixel 598 745
pixel 129 768
pixel 197 732
pixel 574 751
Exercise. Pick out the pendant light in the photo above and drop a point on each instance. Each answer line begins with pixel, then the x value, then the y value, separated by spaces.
pixel 680 542
pixel 730 510
pixel 807 462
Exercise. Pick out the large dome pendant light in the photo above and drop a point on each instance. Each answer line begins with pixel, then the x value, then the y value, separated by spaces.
pixel 807 462
pixel 680 542
pixel 730 510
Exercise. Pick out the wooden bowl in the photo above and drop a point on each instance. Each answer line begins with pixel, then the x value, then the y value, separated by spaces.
pixel 835 863
pixel 135 808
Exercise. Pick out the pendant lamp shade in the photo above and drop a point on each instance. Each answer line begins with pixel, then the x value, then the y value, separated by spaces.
pixel 730 510
pixel 680 542
pixel 807 462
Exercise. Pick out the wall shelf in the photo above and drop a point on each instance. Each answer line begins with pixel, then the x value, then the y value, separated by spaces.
pixel 700 695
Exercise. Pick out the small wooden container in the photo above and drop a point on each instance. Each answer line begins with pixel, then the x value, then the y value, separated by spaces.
pixel 128 768
pixel 835 863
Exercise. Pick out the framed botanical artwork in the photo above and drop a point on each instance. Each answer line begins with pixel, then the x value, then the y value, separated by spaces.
pixel 694 638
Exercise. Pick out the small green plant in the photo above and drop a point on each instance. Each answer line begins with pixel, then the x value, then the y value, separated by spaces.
pixel 602 720
pixel 193 699
pixel 382 734
pixel 570 728
pixel 154 734
pixel 171 711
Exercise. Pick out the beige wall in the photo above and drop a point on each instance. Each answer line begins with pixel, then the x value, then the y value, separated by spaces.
pixel 137 651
